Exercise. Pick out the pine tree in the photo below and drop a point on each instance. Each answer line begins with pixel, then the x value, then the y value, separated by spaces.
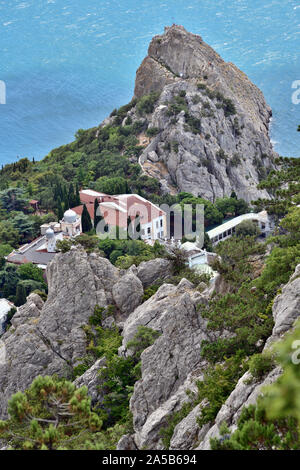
pixel 51 414
pixel 20 295
pixel 65 198
pixel 86 220
pixel 60 212
pixel 72 196
pixel 77 195
pixel 97 218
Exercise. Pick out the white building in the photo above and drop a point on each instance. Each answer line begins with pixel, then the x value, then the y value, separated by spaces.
pixel 226 230
pixel 42 250
pixel 199 259
pixel 5 307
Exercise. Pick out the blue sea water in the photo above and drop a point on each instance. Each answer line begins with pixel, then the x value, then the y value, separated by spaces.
pixel 67 63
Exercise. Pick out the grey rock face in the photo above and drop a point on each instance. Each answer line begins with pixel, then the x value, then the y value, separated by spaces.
pixel 286 307
pixel 92 381
pixel 150 271
pixel 244 394
pixel 186 433
pixel 228 152
pixel 48 338
pixel 126 443
pixel 128 293
pixel 171 365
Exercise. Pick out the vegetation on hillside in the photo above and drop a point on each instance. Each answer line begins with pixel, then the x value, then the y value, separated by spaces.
pixel 51 413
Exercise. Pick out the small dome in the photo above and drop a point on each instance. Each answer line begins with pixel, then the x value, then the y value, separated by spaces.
pixel 70 217
pixel 49 233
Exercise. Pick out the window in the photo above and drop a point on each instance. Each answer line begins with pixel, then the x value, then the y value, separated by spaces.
pixel 161 222
pixel 148 230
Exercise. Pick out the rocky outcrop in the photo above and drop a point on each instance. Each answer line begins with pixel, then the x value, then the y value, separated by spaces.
pixel 187 433
pixel 286 310
pixel 91 379
pixel 128 293
pixel 172 364
pixel 48 338
pixel 245 393
pixel 215 139
pixel 286 307
pixel 150 271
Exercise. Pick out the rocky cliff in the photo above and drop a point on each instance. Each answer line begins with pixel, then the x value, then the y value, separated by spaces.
pixel 47 338
pixel 286 310
pixel 211 124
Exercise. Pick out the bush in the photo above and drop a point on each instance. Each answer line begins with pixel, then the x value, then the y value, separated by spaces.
pixel 152 131
pixel 64 245
pixel 260 365
pixel 146 103
pixel 217 384
pixel 144 338
pixel 247 228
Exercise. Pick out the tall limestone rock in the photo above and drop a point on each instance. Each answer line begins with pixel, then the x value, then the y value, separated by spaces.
pixel 212 122
pixel 172 366
pixel 48 338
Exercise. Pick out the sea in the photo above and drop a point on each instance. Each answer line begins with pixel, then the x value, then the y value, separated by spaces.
pixel 66 64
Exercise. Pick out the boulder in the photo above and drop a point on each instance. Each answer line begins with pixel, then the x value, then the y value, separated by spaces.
pixel 150 271
pixel 48 338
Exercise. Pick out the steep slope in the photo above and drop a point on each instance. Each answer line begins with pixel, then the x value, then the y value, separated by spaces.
pixel 286 310
pixel 210 122
pixel 48 338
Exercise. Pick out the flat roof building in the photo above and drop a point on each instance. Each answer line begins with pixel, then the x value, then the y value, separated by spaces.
pixel 226 230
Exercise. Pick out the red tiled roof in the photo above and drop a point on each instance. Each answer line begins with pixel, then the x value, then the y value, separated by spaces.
pixel 115 209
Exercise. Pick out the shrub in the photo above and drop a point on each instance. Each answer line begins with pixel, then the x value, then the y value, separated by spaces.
pixel 247 228
pixel 152 131
pixel 146 103
pixel 64 245
pixel 260 365
pixel 144 338
pixel 217 384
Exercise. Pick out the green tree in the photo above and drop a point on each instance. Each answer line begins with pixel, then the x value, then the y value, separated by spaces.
pixel 9 279
pixel 97 214
pixel 247 228
pixel 24 225
pixel 86 220
pixel 51 414
pixel 8 234
pixel 20 295
pixel 12 199
pixel 31 271
pixel 114 185
pixel 60 211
